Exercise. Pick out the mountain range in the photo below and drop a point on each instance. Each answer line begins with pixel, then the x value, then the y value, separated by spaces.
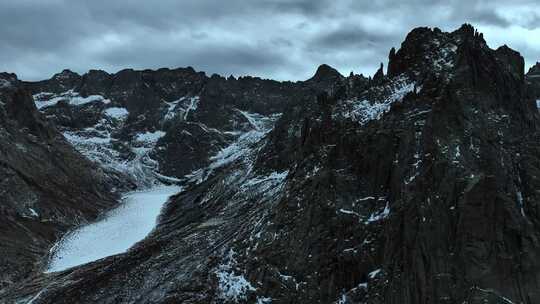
pixel 418 185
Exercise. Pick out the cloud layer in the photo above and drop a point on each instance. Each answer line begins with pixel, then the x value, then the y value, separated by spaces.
pixel 280 39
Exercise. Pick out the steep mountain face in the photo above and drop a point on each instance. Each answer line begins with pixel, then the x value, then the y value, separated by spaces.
pixel 46 187
pixel 419 186
pixel 157 125
pixel 533 82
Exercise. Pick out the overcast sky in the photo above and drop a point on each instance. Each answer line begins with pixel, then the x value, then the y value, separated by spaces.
pixel 277 39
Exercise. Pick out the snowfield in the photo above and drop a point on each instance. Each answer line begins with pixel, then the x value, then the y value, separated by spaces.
pixel 46 99
pixel 118 231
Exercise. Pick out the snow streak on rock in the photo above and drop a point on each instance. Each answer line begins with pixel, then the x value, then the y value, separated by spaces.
pixel 241 149
pixel 181 107
pixel 364 110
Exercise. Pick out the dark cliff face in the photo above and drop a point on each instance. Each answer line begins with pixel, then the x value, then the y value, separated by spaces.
pixel 533 81
pixel 46 187
pixel 419 186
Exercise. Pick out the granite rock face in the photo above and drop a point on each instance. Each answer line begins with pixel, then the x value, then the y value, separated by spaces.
pixel 418 186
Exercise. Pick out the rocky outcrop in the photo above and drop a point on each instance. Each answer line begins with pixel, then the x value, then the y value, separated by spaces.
pixel 418 186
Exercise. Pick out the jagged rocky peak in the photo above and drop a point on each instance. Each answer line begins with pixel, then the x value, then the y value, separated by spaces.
pixel 513 61
pixel 325 73
pixel 325 78
pixel 66 74
pixel 60 82
pixel 95 82
pixel 379 75
pixel 414 54
pixel 65 80
pixel 428 51
pixel 7 80
pixel 534 70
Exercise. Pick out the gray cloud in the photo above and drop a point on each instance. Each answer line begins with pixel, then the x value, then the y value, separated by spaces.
pixel 281 39
pixel 351 36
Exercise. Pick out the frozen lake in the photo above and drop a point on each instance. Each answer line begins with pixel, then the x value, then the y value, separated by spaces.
pixel 120 229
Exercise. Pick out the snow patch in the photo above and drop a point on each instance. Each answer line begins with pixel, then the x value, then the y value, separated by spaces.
pixel 46 99
pixel 74 137
pixel 118 231
pixel 117 113
pixel 33 212
pixel 367 198
pixel 350 212
pixel 374 273
pixel 149 137
pixel 519 197
pixel 342 299
pixel 232 286
pixel 375 217
pixel 264 300
pixel 265 183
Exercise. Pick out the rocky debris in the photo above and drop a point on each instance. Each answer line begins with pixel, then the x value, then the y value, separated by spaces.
pixel 46 187
pixel 417 187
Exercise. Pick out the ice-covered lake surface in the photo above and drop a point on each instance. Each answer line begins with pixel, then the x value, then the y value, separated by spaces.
pixel 119 230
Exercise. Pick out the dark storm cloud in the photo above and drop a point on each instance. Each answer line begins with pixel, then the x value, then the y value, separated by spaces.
pixel 222 58
pixel 283 39
pixel 488 17
pixel 350 36
pixel 35 26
